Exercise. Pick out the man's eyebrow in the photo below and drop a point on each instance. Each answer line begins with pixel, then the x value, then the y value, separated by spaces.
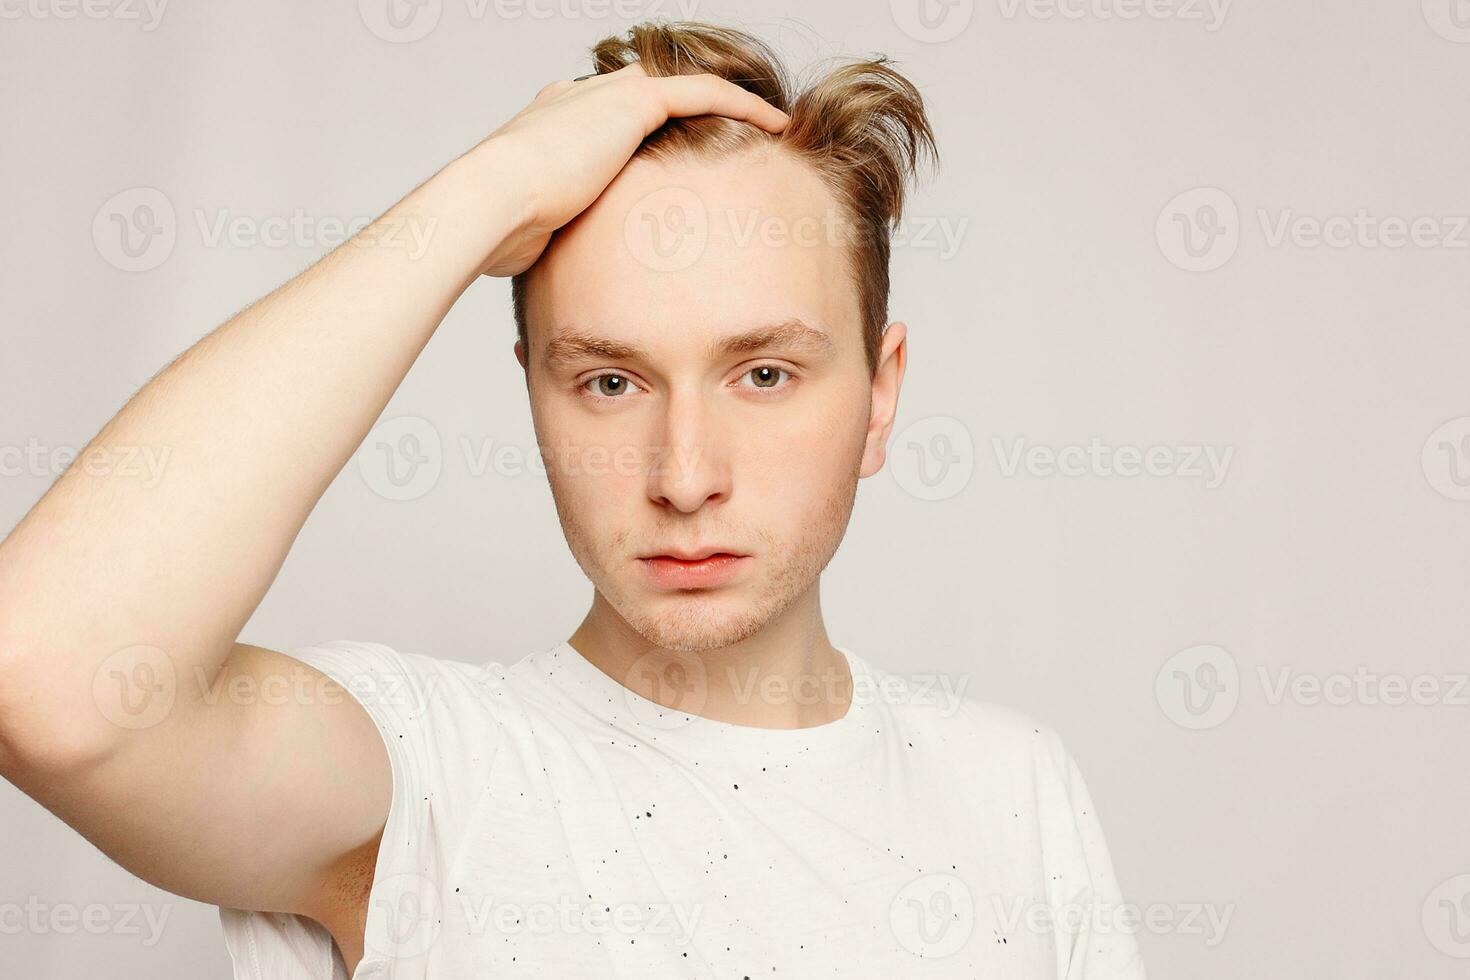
pixel 792 334
pixel 573 345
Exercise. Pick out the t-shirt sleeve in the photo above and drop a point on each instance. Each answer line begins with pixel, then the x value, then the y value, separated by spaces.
pixel 1095 930
pixel 437 717
pixel 439 723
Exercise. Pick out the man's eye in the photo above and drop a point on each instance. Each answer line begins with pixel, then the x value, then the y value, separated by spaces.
pixel 608 385
pixel 766 376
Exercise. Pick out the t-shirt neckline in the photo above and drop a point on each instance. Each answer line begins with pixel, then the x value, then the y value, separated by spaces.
pixel 603 695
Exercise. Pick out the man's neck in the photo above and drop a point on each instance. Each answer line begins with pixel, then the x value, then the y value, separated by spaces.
pixel 788 675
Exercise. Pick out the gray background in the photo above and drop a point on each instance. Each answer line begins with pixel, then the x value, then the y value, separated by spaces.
pixel 1149 618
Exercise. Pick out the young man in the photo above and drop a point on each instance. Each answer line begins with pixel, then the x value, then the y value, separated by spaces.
pixel 697 783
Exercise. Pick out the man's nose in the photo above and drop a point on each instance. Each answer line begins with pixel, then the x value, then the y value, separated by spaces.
pixel 690 466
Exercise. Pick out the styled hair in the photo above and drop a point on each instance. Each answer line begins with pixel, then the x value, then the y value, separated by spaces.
pixel 861 126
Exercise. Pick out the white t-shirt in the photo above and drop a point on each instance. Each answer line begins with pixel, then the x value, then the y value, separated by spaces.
pixel 548 822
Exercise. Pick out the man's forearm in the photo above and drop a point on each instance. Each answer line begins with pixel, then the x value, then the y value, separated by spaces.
pixel 255 420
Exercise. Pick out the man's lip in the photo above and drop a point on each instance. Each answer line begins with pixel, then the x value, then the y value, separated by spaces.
pixel 670 573
pixel 698 555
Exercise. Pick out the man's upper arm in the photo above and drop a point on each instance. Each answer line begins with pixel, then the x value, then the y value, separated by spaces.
pixel 246 793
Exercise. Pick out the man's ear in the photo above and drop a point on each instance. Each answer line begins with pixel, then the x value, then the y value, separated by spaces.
pixel 892 356
pixel 520 353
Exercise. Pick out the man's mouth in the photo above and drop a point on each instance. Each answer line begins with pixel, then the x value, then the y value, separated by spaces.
pixel 697 554
pixel 697 569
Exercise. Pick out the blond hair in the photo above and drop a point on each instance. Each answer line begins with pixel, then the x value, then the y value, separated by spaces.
pixel 861 126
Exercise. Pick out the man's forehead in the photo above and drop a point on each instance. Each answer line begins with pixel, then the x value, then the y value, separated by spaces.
pixel 756 210
pixel 625 278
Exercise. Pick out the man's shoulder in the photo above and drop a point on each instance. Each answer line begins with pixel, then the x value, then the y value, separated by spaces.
pixel 1004 731
pixel 941 708
pixel 412 694
pixel 358 660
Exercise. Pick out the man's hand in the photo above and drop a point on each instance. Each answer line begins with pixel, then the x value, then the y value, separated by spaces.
pixel 561 151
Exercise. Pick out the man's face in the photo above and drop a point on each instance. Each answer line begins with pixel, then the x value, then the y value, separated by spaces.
pixel 663 436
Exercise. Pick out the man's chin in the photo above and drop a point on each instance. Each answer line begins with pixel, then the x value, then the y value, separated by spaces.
pixel 699 624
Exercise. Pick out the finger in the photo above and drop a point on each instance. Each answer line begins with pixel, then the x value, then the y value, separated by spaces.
pixel 631 68
pixel 552 88
pixel 595 78
pixel 695 95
